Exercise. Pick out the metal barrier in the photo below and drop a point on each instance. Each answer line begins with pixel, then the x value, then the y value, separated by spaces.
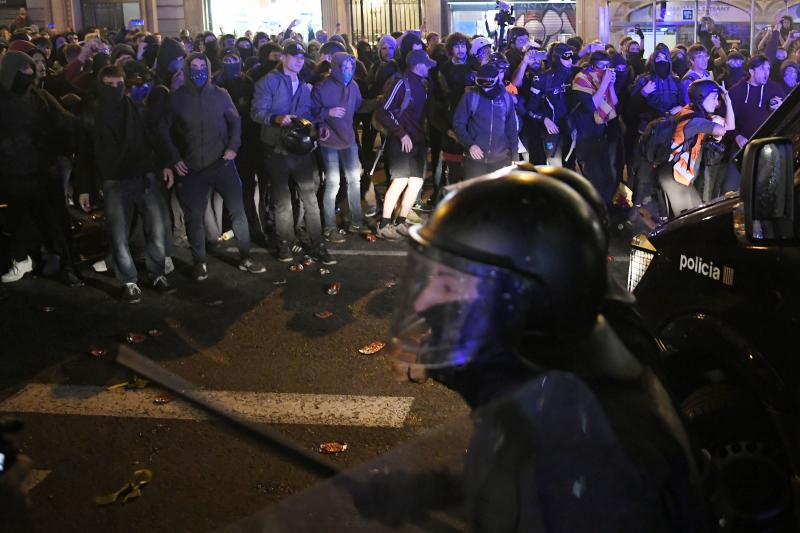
pixel 371 19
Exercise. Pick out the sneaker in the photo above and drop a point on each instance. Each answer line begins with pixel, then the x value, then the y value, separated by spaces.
pixel 131 294
pixel 323 256
pixel 200 272
pixel 358 228
pixel 389 233
pixel 254 267
pixel 333 236
pixel 100 266
pixel 402 229
pixel 18 270
pixel 169 266
pixel 161 285
pixel 297 247
pixel 70 278
pixel 284 253
pixel 371 211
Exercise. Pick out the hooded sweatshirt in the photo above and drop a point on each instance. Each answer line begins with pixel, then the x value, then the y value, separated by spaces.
pixel 334 92
pixel 493 125
pixel 169 50
pixel 751 105
pixel 34 123
pixel 203 122
pixel 667 95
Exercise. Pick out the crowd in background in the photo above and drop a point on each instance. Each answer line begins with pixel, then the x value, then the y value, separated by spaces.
pixel 272 139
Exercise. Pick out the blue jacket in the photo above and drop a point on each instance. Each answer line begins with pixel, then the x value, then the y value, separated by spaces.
pixel 493 126
pixel 273 97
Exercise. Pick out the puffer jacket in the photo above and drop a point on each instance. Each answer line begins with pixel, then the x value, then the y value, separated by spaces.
pixel 203 123
pixel 333 92
pixel 273 97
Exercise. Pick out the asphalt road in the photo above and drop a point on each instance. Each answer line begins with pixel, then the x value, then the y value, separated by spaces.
pixel 236 333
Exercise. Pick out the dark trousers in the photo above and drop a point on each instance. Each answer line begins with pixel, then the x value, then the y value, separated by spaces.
pixel 593 156
pixel 146 196
pixel 37 210
pixel 249 164
pixel 192 191
pixel 478 167
pixel 298 169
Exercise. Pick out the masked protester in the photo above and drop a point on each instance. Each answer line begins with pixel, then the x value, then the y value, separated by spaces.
pixel 334 102
pixel 281 104
pixel 269 56
pixel 131 182
pixel 203 162
pixel 733 71
pixel 541 373
pixel 405 125
pixel 138 81
pixel 596 126
pixel 211 49
pixel 34 126
pixel 231 67
pixel 633 55
pixel 485 122
pixel 680 62
pixel 323 67
pixel 245 48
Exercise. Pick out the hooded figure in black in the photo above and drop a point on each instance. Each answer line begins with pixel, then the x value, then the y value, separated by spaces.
pixel 407 42
pixel 35 125
pixel 245 48
pixel 657 92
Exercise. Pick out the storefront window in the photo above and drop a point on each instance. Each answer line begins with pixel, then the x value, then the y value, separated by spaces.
pixel 548 21
pixel 271 16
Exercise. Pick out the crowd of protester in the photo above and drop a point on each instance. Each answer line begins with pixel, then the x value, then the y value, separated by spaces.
pixel 185 140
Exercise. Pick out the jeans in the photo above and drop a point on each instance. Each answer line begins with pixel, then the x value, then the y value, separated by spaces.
pixel 123 198
pixel 192 191
pixel 352 171
pixel 300 169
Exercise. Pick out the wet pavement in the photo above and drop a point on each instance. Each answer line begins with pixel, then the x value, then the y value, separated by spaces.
pixel 256 343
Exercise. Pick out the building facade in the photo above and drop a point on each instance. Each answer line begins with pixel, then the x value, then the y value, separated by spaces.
pixel 673 20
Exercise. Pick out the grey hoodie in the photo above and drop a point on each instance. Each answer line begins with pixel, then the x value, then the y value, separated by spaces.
pixel 333 92
pixel 203 122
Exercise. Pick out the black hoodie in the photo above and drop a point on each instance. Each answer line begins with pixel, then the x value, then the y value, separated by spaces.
pixel 203 122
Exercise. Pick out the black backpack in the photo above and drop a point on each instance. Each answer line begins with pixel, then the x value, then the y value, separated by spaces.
pixel 655 143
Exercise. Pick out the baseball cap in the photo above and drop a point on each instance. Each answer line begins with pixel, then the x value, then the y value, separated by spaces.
pixel 293 49
pixel 416 57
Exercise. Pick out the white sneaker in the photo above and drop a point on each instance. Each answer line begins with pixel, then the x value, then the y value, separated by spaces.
pixel 168 265
pixel 100 266
pixel 18 270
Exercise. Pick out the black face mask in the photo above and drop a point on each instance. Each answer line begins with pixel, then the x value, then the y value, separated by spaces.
pixel 662 69
pixel 245 52
pixel 22 82
pixel 110 95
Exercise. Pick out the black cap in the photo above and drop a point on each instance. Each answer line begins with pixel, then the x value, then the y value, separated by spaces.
pixel 293 49
pixel 488 71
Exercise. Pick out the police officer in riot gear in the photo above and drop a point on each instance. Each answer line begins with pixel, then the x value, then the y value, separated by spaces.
pixel 501 301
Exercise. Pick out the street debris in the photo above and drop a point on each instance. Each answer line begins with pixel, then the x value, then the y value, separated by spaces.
pixel 334 288
pixel 308 261
pixel 371 237
pixel 97 351
pixel 161 399
pixel 135 383
pixel 372 348
pixel 332 447
pixel 323 314
pixel 131 489
pixel 296 268
pixel 46 308
pixel 135 338
pixel 228 235
pixel 154 332
pixel 279 282
pixel 324 271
